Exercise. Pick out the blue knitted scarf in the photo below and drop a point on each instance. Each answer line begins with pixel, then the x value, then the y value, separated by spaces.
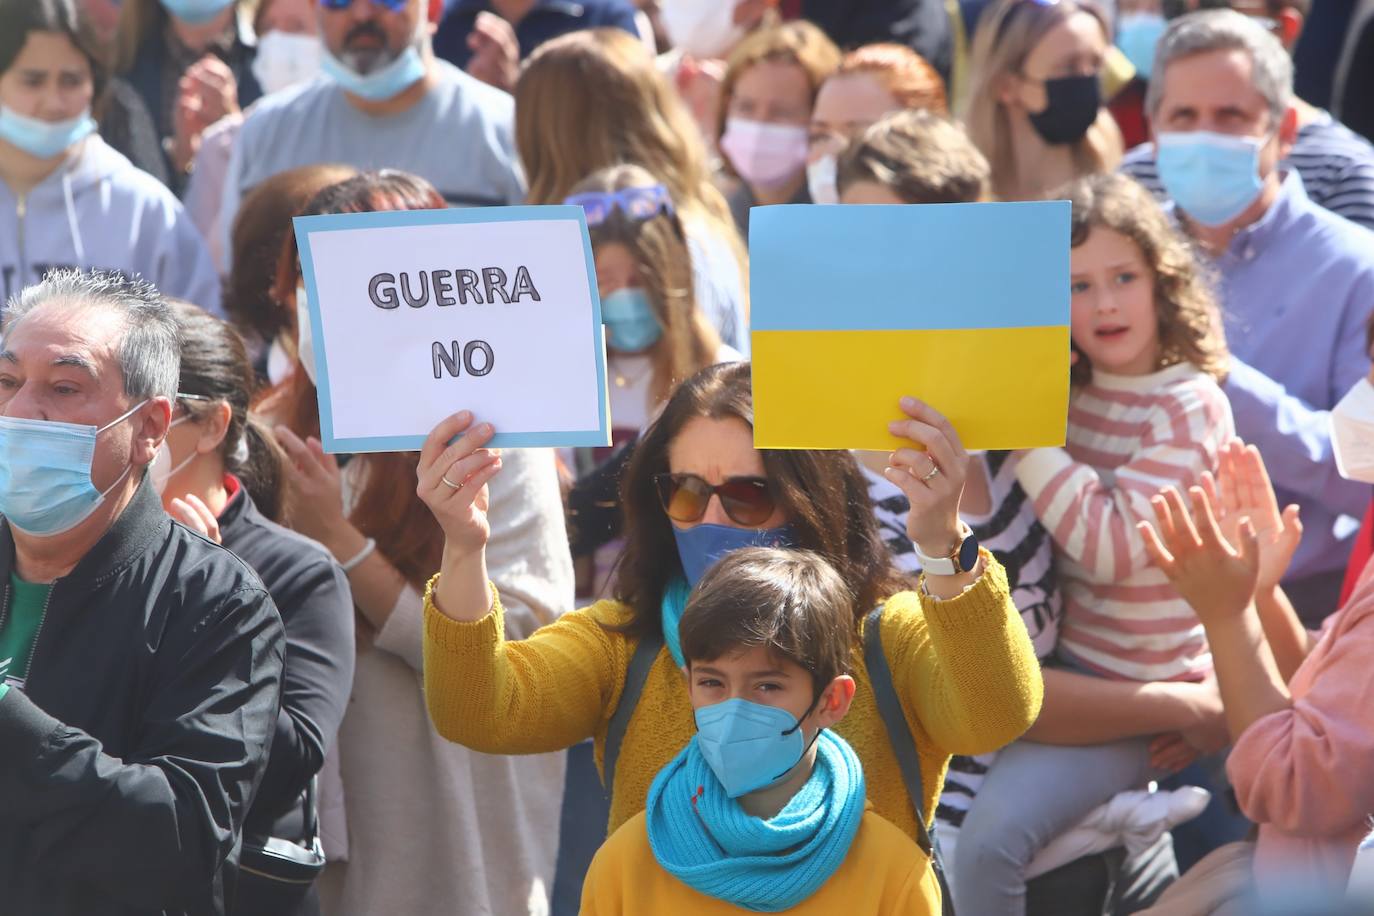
pixel 674 603
pixel 709 843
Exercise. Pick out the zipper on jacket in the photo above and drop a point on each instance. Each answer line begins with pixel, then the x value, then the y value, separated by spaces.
pixel 33 646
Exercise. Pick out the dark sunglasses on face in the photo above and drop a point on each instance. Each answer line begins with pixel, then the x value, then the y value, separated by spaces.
pixel 637 204
pixel 746 500
pixel 394 6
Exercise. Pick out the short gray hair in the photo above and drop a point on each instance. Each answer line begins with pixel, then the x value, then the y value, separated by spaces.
pixel 1226 30
pixel 149 354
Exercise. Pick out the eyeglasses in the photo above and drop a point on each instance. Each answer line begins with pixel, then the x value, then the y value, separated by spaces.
pixel 746 500
pixel 636 204
pixel 394 6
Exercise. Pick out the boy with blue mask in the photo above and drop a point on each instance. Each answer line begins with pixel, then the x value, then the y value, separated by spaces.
pixel 765 809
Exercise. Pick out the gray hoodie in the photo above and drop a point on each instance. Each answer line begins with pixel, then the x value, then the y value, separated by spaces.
pixel 99 211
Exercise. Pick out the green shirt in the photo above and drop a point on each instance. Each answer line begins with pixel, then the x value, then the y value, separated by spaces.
pixel 27 604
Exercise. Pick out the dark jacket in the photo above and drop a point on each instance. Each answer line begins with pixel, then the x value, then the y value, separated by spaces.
pixel 311 592
pixel 129 758
pixel 921 25
pixel 548 19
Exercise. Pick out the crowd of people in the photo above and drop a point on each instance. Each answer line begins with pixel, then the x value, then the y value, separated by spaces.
pixel 242 675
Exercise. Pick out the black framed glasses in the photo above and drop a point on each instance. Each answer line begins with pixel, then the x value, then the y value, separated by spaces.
pixel 746 500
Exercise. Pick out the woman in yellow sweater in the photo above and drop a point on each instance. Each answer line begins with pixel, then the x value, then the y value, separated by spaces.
pixel 695 489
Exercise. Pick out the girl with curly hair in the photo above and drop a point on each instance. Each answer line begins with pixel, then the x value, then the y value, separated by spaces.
pixel 1146 412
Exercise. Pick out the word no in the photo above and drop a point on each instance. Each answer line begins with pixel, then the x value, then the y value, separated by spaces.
pixel 446 358
pixel 386 292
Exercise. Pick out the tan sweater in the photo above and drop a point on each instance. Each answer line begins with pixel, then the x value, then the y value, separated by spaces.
pixel 433 827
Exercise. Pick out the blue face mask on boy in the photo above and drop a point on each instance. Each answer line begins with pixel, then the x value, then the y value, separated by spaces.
pixel 381 84
pixel 631 325
pixel 44 139
pixel 195 12
pixel 749 746
pixel 45 473
pixel 1213 177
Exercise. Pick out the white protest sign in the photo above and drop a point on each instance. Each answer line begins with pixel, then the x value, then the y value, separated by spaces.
pixel 418 314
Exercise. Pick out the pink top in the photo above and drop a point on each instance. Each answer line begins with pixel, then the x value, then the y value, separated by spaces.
pixel 1306 774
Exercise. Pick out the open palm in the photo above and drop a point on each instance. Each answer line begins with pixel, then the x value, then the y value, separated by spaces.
pixel 1242 490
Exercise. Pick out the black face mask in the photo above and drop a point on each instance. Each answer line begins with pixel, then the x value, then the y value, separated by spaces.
pixel 1072 109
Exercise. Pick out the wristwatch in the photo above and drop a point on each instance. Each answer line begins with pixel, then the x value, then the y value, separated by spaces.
pixel 961 559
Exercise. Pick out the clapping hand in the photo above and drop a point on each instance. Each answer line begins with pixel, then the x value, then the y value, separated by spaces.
pixel 1242 490
pixel 316 487
pixel 495 51
pixel 1214 576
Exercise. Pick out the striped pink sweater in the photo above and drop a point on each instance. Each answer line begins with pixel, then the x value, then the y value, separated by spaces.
pixel 1128 437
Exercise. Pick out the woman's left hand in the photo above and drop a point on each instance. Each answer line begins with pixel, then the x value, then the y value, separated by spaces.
pixel 316 486
pixel 932 479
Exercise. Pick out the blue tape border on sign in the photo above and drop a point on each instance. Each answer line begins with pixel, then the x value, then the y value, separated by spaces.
pixel 304 226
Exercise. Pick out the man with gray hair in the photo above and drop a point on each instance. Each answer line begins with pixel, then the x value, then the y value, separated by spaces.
pixel 140 664
pixel 1296 281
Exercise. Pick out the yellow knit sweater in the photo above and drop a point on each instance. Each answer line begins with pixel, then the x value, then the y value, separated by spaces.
pixel 964 669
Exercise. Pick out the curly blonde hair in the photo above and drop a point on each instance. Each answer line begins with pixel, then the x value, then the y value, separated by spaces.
pixel 1189 318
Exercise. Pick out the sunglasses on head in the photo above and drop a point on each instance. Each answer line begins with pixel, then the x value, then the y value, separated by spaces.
pixel 394 6
pixel 636 204
pixel 746 500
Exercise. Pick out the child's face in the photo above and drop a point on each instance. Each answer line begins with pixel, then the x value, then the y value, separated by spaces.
pixel 1114 322
pixel 763 677
pixel 615 268
pixel 869 192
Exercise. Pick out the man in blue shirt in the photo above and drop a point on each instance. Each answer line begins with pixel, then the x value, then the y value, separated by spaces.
pixel 491 46
pixel 1296 281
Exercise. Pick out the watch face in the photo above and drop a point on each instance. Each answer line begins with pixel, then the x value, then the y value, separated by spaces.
pixel 968 553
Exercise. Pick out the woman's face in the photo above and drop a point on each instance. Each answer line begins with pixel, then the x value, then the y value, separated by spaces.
pixel 1075 47
pixel 845 107
pixel 772 92
pixel 296 17
pixel 615 268
pixel 50 80
pixel 716 450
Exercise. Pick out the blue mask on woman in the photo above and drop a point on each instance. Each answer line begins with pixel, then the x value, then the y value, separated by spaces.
pixel 1137 34
pixel 381 84
pixel 45 473
pixel 44 139
pixel 747 745
pixel 631 325
pixel 195 12
pixel 1213 177
pixel 700 546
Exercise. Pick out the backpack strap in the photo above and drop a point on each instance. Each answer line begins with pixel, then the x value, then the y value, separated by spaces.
pixel 902 741
pixel 635 677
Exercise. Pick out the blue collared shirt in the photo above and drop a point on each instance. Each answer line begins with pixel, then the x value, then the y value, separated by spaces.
pixel 548 19
pixel 1297 288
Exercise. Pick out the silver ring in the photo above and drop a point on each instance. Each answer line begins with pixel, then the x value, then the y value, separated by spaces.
pixel 456 486
pixel 934 472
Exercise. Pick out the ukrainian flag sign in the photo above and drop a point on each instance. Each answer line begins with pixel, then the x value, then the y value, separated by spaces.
pixel 965 306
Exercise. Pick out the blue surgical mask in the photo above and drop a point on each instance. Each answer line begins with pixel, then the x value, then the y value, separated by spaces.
pixel 195 12
pixel 631 325
pixel 700 546
pixel 45 473
pixel 1136 36
pixel 44 139
pixel 1212 177
pixel 381 84
pixel 747 745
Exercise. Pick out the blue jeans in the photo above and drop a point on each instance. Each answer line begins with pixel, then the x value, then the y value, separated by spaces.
pixel 581 828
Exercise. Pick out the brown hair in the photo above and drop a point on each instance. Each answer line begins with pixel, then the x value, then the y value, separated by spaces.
pixel 907 76
pixel 659 249
pixel 1007 34
pixel 592 99
pixel 261 224
pixel 791 602
pixel 823 493
pixel 920 157
pixel 19 18
pixel 215 365
pixel 387 509
pixel 798 42
pixel 1189 320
